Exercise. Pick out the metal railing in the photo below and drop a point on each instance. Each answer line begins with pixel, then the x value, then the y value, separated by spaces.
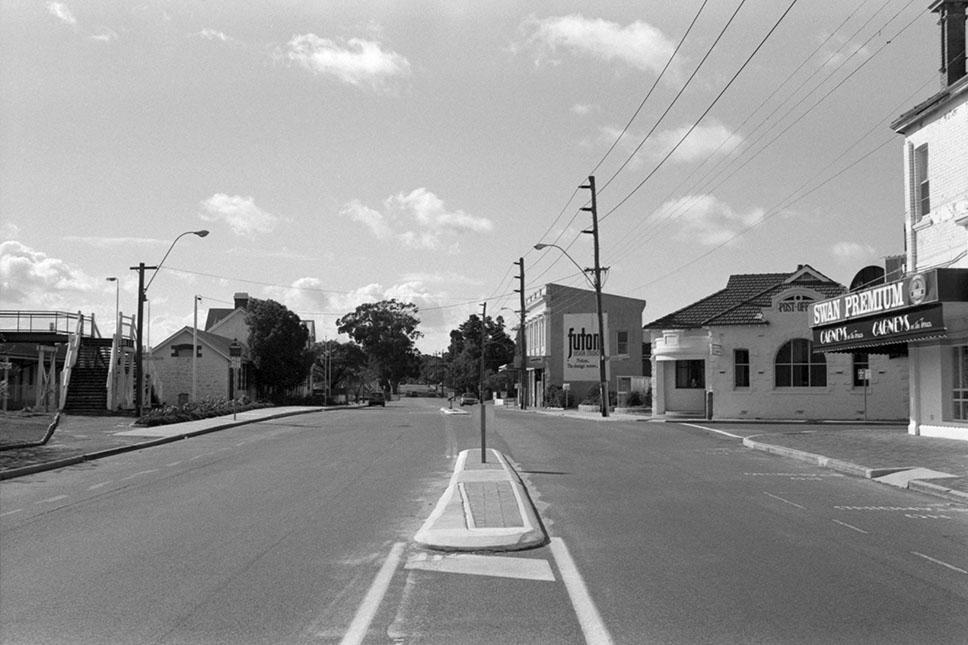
pixel 57 322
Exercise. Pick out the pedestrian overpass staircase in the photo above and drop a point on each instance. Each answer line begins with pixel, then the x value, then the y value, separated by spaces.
pixel 77 370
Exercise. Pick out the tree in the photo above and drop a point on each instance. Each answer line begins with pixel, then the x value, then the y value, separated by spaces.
pixel 277 345
pixel 464 354
pixel 345 364
pixel 386 331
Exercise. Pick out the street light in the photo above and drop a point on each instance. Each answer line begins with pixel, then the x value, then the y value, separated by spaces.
pixel 117 303
pixel 584 272
pixel 597 285
pixel 139 347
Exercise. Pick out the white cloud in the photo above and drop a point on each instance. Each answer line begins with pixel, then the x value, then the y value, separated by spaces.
pixel 704 141
pixel 419 219
pixel 852 251
pixel 359 62
pixel 638 44
pixel 104 35
pixel 240 213
pixel 213 34
pixel 582 109
pixel 373 220
pixel 60 11
pixel 707 220
pixel 31 279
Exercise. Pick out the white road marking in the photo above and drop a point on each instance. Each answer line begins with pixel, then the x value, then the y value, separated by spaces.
pixel 588 617
pixel 172 464
pixel 943 564
pixel 785 501
pixel 138 474
pixel 722 432
pixel 851 527
pixel 19 510
pixel 102 484
pixel 51 500
pixel 371 602
pixel 483 565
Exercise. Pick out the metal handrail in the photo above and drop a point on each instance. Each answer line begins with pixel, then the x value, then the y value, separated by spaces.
pixel 62 322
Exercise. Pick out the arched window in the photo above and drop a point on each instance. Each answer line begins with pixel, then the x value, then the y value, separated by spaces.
pixel 797 365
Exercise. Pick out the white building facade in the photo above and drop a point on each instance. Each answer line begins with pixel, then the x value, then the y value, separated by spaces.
pixel 925 313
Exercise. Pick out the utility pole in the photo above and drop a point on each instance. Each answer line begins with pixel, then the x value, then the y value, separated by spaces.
pixel 483 420
pixel 602 377
pixel 523 344
pixel 139 368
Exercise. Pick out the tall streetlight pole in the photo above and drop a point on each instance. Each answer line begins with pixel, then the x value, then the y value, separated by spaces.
pixel 597 286
pixel 195 350
pixel 139 346
pixel 117 304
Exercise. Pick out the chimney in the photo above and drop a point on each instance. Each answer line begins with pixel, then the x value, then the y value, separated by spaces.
pixel 951 17
pixel 241 300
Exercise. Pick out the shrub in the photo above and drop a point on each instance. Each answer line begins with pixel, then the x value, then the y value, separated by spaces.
pixel 205 409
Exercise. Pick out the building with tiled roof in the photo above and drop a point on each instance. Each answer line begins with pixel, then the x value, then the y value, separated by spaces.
pixel 746 351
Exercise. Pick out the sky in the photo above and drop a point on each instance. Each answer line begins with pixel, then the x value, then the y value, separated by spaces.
pixel 348 152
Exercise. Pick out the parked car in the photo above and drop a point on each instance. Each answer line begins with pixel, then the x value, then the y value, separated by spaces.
pixel 376 398
pixel 468 398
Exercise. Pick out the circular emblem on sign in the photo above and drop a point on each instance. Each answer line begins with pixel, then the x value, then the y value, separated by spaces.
pixel 918 289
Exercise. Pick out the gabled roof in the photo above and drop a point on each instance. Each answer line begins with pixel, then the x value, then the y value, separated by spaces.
pixel 744 298
pixel 215 316
pixel 216 342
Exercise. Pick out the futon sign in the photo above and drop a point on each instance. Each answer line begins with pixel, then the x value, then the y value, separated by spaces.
pixel 582 348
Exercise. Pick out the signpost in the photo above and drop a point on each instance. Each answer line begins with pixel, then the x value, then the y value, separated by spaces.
pixel 235 359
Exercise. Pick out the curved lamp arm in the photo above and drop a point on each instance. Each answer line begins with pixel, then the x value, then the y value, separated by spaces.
pixel 201 233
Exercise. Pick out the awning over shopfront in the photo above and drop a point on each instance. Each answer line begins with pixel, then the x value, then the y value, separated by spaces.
pixel 885 318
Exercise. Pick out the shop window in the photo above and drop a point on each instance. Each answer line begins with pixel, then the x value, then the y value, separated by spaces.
pixel 797 365
pixel 959 395
pixel 623 343
pixel 741 367
pixel 862 367
pixel 690 375
pixel 922 193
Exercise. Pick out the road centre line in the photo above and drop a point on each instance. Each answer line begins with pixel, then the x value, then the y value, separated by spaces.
pixel 851 527
pixel 374 596
pixel 19 510
pixel 722 432
pixel 138 474
pixel 936 561
pixel 785 501
pixel 588 617
pixel 100 485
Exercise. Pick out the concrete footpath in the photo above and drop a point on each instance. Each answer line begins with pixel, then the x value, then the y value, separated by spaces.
pixel 78 438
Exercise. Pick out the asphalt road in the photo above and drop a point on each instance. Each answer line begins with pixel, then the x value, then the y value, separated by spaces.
pixel 299 531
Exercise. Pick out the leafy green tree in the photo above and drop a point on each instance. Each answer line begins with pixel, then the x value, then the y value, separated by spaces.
pixel 387 331
pixel 278 347
pixel 464 354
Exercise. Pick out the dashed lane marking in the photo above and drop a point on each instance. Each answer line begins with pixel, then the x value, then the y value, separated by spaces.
pixel 138 474
pixel 940 562
pixel 4 514
pixel 785 501
pixel 851 527
pixel 99 485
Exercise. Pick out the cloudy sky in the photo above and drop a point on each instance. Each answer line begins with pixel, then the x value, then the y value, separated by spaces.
pixel 347 152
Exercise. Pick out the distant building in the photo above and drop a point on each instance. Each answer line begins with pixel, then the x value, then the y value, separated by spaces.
pixel 923 313
pixel 561 327
pixel 172 366
pixel 746 352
